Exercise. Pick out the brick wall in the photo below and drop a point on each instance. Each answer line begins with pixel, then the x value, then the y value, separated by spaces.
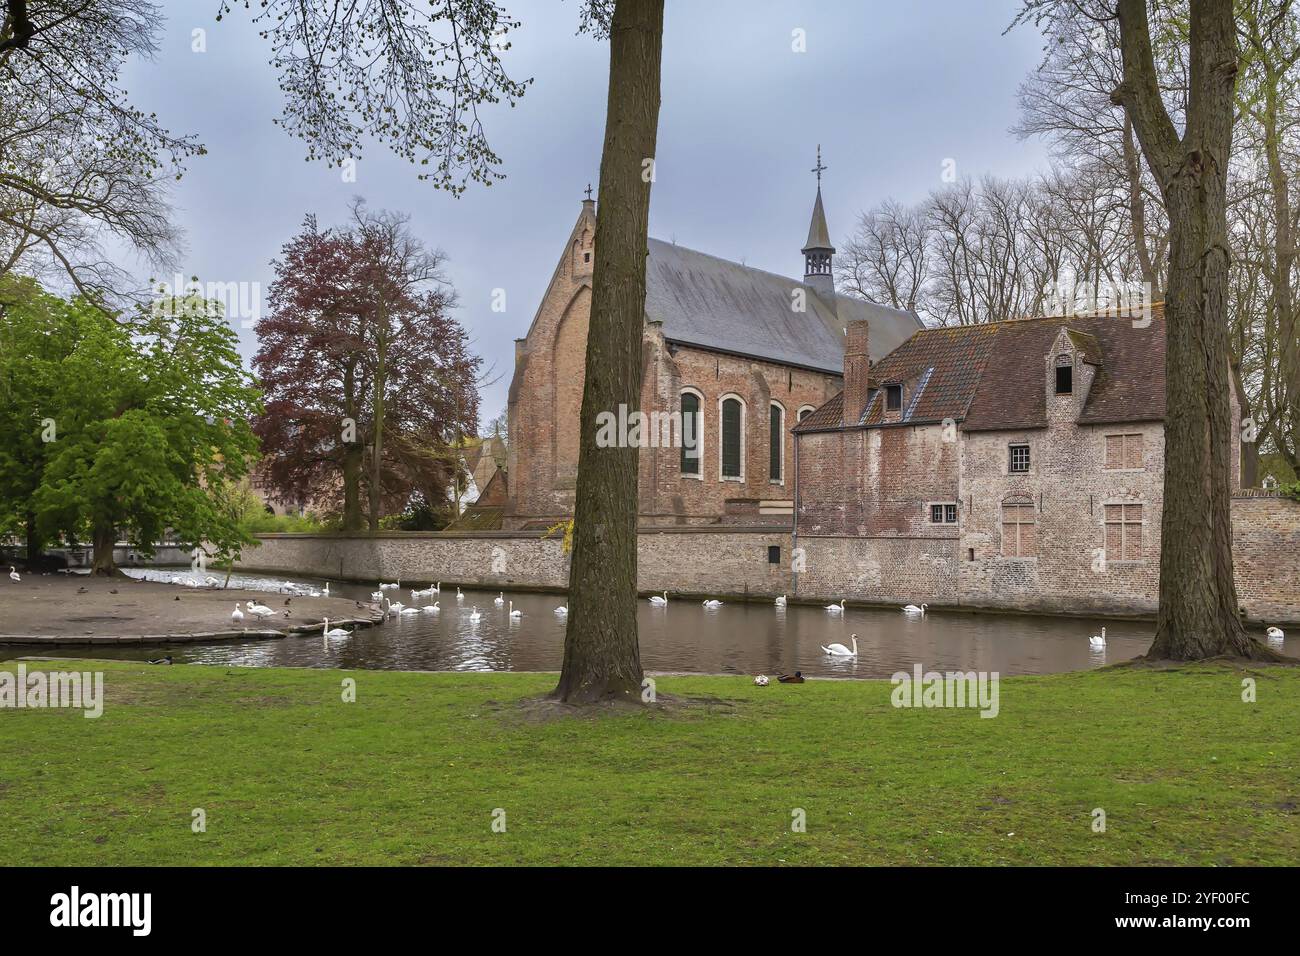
pixel 890 569
pixel 730 563
pixel 1068 488
pixel 1266 556
pixel 546 398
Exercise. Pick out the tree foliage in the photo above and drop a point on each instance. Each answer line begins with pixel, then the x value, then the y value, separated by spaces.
pixel 368 376
pixel 126 424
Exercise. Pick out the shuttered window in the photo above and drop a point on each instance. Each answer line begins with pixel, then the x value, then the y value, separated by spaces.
pixel 730 438
pixel 775 440
pixel 691 425
pixel 1019 531
pixel 1124 532
pixel 1124 451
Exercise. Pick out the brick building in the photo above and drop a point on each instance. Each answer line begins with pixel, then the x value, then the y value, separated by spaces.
pixel 740 354
pixel 1017 461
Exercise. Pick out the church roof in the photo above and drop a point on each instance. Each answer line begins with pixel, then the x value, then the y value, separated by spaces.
pixel 724 306
pixel 988 377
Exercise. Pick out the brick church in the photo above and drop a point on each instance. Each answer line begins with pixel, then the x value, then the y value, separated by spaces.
pixel 741 354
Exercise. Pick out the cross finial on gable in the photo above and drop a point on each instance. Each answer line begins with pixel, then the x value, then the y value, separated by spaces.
pixel 588 190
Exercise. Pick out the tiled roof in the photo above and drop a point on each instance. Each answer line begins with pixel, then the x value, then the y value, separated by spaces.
pixel 990 376
pixel 721 305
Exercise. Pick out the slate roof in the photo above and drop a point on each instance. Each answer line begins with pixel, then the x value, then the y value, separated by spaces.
pixel 724 306
pixel 989 377
pixel 819 236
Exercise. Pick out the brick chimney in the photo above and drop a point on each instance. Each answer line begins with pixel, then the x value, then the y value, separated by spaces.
pixel 857 364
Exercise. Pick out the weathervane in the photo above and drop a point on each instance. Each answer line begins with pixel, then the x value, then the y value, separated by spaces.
pixel 819 168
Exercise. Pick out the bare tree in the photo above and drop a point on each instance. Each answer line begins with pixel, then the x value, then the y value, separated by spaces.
pixel 886 259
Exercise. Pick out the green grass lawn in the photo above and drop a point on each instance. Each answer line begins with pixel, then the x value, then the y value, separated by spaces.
pixel 412 771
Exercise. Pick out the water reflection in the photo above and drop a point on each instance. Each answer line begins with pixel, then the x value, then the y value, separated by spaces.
pixel 759 638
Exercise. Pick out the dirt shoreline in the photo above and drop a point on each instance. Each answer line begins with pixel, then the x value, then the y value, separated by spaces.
pixel 62 609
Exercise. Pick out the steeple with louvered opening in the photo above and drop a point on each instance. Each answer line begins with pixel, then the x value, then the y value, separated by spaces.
pixel 817 251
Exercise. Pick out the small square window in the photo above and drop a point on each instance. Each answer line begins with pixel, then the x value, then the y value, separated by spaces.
pixel 1064 379
pixel 893 398
pixel 773 554
pixel 1019 463
pixel 586 257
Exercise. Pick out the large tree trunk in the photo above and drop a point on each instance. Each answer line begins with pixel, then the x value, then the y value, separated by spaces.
pixel 1198 616
pixel 103 538
pixel 602 659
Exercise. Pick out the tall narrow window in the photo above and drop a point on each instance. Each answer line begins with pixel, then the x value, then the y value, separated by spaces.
pixel 776 441
pixel 1124 532
pixel 730 438
pixel 1019 534
pixel 691 425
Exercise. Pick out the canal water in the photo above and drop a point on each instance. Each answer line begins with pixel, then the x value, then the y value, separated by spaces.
pixel 737 638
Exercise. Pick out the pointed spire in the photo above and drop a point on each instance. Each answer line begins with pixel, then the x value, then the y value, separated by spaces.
pixel 817 251
pixel 819 236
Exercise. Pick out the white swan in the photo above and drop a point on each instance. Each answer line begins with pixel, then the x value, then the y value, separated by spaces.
pixel 499 599
pixel 562 610
pixel 780 602
pixel 913 609
pixel 513 612
pixel 389 587
pixel 459 596
pixel 260 610
pixel 396 607
pixel 836 609
pixel 326 590
pixel 658 601
pixel 1275 634
pixel 336 632
pixel 474 615
pixel 13 575
pixel 376 595
pixel 712 604
pixel 431 608
pixel 410 610
pixel 1098 640
pixel 839 650
pixel 237 616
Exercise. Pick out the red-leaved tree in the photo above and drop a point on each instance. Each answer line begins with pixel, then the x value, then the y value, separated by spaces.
pixel 369 380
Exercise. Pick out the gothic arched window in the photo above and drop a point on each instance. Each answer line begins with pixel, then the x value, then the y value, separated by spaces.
pixel 692 434
pixel 732 414
pixel 776 443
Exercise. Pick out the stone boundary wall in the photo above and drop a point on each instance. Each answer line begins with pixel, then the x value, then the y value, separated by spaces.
pixel 725 563
pixel 735 563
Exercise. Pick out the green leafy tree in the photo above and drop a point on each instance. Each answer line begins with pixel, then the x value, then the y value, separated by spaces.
pixel 152 414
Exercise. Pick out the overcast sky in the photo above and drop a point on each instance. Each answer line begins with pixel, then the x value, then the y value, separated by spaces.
pixel 890 89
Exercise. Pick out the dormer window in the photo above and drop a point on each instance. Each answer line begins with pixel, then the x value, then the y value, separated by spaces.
pixel 893 398
pixel 1064 379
